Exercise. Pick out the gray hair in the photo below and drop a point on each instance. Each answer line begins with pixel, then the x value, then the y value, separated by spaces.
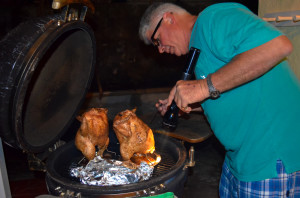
pixel 156 10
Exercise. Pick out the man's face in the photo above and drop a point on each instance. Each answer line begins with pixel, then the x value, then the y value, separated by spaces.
pixel 168 37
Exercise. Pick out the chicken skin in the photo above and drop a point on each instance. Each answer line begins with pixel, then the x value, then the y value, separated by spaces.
pixel 133 134
pixel 93 132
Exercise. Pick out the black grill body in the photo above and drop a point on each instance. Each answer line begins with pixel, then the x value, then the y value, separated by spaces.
pixel 168 176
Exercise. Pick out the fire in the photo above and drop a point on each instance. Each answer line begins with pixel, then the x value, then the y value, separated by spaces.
pixel 151 159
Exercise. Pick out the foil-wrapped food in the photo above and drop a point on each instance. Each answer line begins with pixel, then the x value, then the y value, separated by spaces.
pixel 104 172
pixel 137 148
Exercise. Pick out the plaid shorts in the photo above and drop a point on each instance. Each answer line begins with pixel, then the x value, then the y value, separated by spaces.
pixel 285 185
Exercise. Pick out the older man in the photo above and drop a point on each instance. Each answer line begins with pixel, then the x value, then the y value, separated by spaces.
pixel 246 88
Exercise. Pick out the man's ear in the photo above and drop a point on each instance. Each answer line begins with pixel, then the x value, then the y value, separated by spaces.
pixel 169 17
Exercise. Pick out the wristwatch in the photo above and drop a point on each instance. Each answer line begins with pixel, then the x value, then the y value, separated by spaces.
pixel 213 92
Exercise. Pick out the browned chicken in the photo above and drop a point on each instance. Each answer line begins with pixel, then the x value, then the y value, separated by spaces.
pixel 133 134
pixel 93 132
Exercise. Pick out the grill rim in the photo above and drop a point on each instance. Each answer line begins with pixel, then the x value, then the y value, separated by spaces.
pixel 157 180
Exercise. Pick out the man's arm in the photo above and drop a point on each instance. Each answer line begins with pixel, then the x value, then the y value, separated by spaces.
pixel 241 69
pixel 252 64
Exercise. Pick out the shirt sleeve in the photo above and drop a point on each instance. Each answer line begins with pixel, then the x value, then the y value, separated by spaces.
pixel 231 31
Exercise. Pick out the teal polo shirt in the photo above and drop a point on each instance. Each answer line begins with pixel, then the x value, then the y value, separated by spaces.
pixel 258 122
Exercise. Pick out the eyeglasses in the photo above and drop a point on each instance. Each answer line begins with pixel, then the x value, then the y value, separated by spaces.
pixel 156 42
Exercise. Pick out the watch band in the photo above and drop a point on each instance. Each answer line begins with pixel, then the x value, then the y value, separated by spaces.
pixel 213 92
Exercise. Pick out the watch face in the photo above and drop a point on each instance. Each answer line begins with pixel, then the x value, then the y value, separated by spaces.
pixel 215 94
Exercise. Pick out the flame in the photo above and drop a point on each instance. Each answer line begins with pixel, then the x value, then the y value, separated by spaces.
pixel 158 158
pixel 151 159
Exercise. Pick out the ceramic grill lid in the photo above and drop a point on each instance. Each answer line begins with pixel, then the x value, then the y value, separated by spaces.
pixel 46 67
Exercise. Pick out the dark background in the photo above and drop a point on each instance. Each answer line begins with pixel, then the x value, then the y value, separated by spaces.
pixel 123 60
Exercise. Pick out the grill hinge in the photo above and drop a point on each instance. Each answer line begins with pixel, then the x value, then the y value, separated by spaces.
pixel 36 161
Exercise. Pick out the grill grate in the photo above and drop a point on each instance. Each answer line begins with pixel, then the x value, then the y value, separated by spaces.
pixel 167 162
pixel 168 172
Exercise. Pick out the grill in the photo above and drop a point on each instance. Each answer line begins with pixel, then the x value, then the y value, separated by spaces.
pixel 168 176
pixel 46 67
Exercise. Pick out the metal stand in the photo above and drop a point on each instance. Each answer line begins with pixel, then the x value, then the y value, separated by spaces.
pixel 4 184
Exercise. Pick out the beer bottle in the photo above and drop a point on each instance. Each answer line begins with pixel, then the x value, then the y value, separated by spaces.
pixel 170 119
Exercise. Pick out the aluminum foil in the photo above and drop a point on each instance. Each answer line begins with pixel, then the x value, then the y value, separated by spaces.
pixel 108 172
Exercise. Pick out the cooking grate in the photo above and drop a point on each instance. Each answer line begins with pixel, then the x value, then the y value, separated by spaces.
pixel 168 176
pixel 167 162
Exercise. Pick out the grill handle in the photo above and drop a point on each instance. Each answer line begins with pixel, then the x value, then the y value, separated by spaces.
pixel 58 4
pixel 72 12
pixel 191 162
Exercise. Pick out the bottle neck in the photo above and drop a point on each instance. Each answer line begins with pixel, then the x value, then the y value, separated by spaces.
pixel 173 107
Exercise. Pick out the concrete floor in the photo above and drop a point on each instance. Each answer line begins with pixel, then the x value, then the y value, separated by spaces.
pixel 202 180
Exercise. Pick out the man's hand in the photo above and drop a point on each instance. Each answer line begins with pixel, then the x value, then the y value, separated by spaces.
pixel 186 93
pixel 162 106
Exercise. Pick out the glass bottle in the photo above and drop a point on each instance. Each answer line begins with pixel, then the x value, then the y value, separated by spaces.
pixel 170 119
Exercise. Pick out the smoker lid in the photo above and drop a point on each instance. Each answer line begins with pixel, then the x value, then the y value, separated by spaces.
pixel 47 66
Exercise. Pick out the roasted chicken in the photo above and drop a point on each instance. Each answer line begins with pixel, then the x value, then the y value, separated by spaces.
pixel 134 135
pixel 93 132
